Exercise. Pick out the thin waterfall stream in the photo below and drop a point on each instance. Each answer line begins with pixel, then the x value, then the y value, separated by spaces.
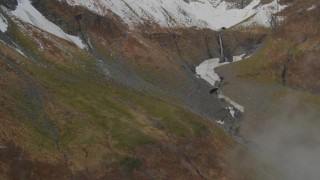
pixel 221 48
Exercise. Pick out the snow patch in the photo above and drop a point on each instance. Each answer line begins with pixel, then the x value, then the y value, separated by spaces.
pixel 3 23
pixel 312 8
pixel 206 71
pixel 238 58
pixel 27 13
pixel 20 52
pixel 40 46
pixel 104 68
pixel 15 47
pixel 232 112
pixel 220 122
pixel 233 103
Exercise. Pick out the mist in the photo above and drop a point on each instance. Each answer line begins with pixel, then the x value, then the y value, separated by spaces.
pixel 290 141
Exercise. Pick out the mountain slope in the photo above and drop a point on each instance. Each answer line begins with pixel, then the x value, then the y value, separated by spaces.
pixel 103 89
pixel 202 13
pixel 291 53
pixel 93 113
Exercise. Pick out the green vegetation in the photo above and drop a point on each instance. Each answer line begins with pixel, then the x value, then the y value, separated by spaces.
pixel 294 50
pixel 20 38
pixel 177 121
pixel 255 65
pixel 96 118
pixel 85 106
pixel 131 163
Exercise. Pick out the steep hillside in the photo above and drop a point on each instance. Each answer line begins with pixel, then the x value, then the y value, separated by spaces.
pixel 83 97
pixel 291 53
pixel 107 89
pixel 279 88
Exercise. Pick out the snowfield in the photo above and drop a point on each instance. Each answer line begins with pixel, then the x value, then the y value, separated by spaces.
pixel 27 13
pixel 213 14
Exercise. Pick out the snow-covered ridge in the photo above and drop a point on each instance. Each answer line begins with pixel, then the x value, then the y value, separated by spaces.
pixel 27 13
pixel 201 13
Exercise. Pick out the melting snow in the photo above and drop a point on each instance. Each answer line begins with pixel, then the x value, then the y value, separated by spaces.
pixel 3 24
pixel 232 112
pixel 206 70
pixel 312 8
pixel 20 52
pixel 220 122
pixel 233 103
pixel 27 13
pixel 238 58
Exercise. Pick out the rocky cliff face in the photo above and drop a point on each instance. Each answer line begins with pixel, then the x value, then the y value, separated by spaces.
pixel 292 51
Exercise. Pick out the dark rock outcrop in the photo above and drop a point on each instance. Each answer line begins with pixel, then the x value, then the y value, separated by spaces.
pixel 10 4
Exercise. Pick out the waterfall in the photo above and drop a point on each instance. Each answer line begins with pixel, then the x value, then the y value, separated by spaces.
pixel 221 46
pixel 223 58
